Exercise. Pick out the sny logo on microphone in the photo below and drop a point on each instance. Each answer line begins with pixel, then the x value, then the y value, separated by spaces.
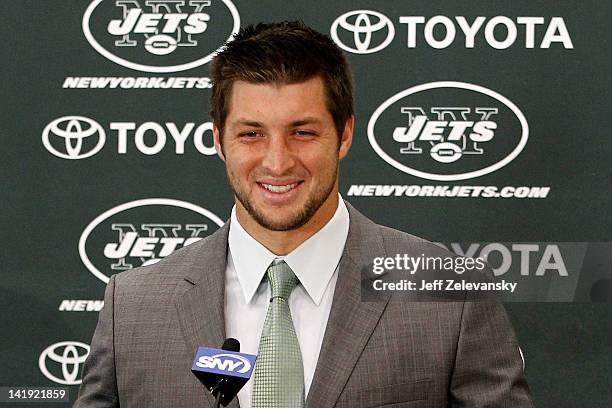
pixel 218 361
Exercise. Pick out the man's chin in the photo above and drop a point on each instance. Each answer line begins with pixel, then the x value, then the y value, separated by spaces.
pixel 283 217
pixel 278 222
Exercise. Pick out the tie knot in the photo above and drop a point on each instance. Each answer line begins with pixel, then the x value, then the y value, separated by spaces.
pixel 282 279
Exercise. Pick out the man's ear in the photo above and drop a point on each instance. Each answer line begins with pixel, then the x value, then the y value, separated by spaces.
pixel 347 137
pixel 217 141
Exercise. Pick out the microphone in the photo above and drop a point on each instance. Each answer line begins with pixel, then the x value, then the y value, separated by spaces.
pixel 223 371
pixel 231 344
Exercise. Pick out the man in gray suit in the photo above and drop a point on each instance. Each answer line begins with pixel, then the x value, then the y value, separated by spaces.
pixel 282 110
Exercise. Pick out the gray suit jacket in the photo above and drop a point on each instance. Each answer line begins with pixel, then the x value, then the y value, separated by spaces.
pixel 374 354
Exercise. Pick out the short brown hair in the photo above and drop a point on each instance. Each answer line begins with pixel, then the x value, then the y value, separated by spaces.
pixel 286 53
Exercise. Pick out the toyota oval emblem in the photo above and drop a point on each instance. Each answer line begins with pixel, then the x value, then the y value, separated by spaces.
pixel 73 137
pixel 359 27
pixel 61 362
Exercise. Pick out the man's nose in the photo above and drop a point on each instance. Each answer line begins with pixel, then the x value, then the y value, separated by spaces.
pixel 278 157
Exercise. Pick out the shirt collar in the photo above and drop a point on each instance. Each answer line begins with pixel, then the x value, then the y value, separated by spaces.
pixel 314 261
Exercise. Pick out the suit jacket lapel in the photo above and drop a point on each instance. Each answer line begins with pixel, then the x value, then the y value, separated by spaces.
pixel 201 308
pixel 351 321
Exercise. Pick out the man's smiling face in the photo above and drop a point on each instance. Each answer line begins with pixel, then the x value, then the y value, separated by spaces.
pixel 281 151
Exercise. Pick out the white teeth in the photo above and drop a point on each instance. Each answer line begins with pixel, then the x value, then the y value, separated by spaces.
pixel 279 189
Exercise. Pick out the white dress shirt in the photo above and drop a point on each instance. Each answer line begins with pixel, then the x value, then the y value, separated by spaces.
pixel 247 293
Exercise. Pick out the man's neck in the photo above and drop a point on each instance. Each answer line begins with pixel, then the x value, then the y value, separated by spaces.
pixel 283 242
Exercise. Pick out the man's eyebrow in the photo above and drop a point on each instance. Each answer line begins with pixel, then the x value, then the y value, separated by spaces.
pixel 248 122
pixel 300 122
pixel 306 121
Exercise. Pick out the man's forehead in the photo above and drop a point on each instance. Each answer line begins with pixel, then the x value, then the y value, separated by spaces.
pixel 313 84
pixel 301 101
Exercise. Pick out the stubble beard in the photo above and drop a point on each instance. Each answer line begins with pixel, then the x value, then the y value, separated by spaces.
pixel 312 205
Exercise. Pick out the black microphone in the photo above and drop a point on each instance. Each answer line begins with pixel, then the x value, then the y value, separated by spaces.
pixel 230 344
pixel 223 371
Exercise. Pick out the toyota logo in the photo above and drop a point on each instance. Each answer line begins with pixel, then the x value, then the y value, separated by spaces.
pixel 65 359
pixel 360 26
pixel 73 137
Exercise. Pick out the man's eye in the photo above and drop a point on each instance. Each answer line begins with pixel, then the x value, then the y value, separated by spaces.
pixel 250 134
pixel 304 133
